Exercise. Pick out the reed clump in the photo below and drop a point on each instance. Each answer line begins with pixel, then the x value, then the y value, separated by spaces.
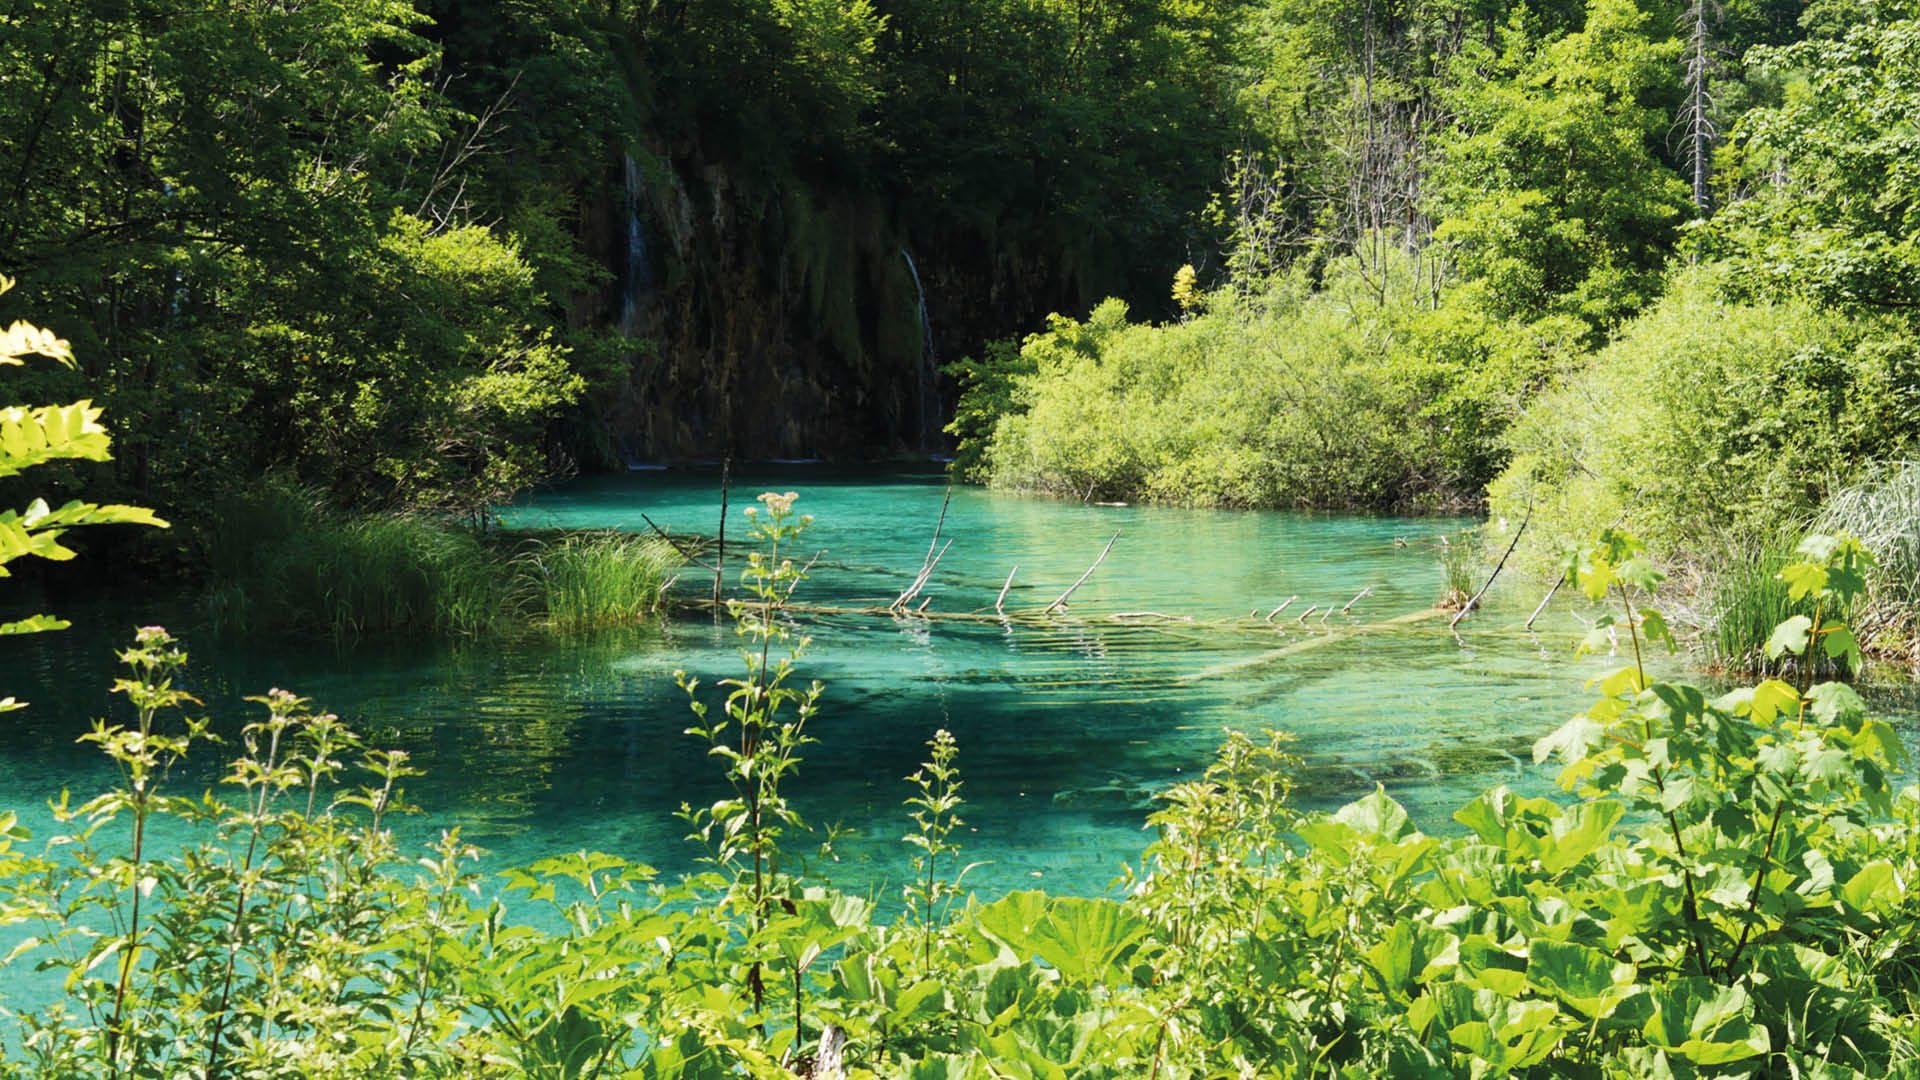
pixel 1883 510
pixel 591 581
pixel 1459 558
pixel 283 561
pixel 1746 600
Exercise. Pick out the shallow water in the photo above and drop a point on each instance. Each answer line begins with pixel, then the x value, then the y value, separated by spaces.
pixel 1065 731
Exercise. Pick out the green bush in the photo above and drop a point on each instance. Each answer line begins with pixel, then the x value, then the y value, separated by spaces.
pixel 1331 396
pixel 1708 423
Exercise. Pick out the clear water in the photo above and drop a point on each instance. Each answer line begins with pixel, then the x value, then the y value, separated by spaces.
pixel 1065 731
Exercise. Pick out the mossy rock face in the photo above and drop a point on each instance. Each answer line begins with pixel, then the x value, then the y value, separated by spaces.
pixel 782 319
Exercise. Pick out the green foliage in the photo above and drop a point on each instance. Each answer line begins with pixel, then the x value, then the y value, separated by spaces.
pixel 1708 422
pixel 282 560
pixel 988 391
pixel 1295 397
pixel 1747 601
pixel 32 436
pixel 935 809
pixel 1551 191
pixel 1831 204
pixel 261 227
pixel 1883 509
pixel 590 581
pixel 761 727
pixel 1725 891
pixel 298 567
pixel 1459 563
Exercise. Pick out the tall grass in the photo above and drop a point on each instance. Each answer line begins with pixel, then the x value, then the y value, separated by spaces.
pixel 1746 601
pixel 1883 510
pixel 283 561
pixel 1459 558
pixel 590 581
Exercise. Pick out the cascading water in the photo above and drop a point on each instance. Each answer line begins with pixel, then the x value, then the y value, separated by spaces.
pixel 638 279
pixel 928 380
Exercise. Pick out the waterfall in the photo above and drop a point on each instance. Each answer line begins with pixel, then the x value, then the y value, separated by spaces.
pixel 638 278
pixel 928 378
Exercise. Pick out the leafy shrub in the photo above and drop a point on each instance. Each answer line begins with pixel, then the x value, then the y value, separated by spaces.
pixel 1708 422
pixel 1336 396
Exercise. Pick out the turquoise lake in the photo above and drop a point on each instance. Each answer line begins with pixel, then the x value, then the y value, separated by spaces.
pixel 539 745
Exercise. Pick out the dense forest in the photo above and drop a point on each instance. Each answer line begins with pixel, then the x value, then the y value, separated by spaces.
pixel 328 289
pixel 426 254
pixel 397 249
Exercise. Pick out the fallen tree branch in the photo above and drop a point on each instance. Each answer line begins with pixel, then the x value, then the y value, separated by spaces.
pixel 920 582
pixel 1545 600
pixel 931 559
pixel 1501 565
pixel 1062 600
pixel 1000 601
pixel 675 545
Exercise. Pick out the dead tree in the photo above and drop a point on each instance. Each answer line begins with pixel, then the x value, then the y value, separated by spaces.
pixel 1696 111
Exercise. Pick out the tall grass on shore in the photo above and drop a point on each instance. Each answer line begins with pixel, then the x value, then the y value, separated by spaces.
pixel 590 581
pixel 1883 510
pixel 1746 600
pixel 283 561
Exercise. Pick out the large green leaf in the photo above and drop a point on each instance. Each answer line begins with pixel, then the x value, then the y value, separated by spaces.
pixel 1704 1022
pixel 1588 980
pixel 1083 937
pixel 29 437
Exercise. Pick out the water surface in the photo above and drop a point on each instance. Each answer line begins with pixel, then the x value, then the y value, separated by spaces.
pixel 1065 730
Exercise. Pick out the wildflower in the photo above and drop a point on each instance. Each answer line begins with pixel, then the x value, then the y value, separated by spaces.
pixel 779 505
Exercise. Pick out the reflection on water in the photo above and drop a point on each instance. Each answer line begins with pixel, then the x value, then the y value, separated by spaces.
pixel 1065 730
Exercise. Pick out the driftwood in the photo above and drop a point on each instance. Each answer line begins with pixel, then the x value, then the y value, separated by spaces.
pixel 920 580
pixel 999 602
pixel 1501 565
pixel 1315 642
pixel 1311 608
pixel 1357 597
pixel 931 559
pixel 1545 600
pixel 1281 608
pixel 688 554
pixel 720 556
pixel 1062 600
